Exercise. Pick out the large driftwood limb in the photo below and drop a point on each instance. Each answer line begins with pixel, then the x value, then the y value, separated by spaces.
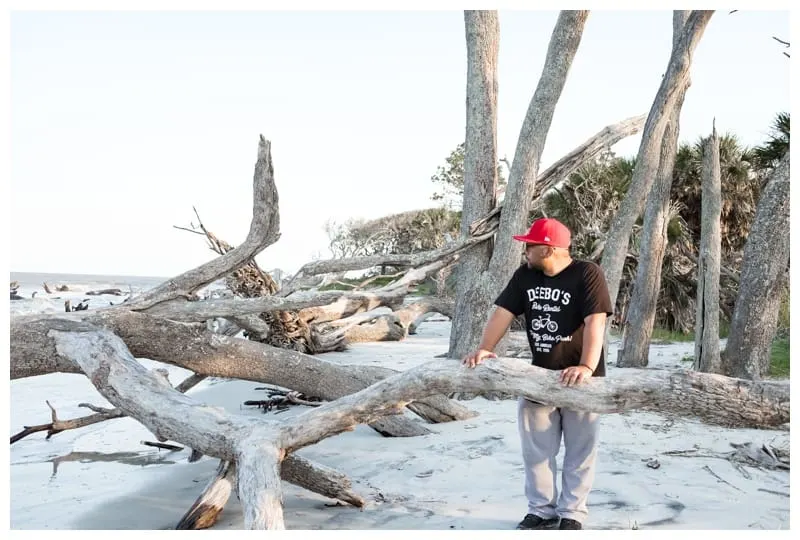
pixel 206 509
pixel 147 397
pixel 202 310
pixel 198 350
pixel 672 85
pixel 320 479
pixel 713 399
pixel 258 446
pixel 264 230
pixel 557 173
pixel 350 304
pixel 56 426
pixel 410 314
pixel 399 260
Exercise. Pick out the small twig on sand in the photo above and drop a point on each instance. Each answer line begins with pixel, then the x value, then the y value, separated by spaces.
pixel 101 415
pixel 718 477
pixel 164 446
pixel 774 492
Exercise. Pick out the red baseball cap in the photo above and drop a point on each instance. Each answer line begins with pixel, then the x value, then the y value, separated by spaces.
pixel 548 232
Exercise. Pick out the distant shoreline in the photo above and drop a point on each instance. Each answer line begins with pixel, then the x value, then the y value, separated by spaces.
pixel 26 276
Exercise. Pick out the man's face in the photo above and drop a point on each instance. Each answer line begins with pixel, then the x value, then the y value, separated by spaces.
pixel 535 254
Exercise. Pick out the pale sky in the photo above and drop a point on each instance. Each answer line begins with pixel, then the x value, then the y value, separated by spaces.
pixel 121 122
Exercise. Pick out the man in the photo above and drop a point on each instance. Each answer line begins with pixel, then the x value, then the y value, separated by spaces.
pixel 565 302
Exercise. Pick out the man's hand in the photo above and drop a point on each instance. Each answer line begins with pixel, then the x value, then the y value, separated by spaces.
pixel 575 375
pixel 473 359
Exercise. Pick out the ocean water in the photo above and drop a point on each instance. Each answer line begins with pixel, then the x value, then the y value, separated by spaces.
pixel 36 300
pixel 33 281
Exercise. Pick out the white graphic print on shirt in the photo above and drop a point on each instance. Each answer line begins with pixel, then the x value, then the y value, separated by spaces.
pixel 544 329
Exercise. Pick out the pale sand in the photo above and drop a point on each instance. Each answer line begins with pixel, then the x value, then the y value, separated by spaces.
pixel 468 475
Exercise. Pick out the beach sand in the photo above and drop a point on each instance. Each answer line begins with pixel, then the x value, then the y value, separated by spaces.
pixel 466 475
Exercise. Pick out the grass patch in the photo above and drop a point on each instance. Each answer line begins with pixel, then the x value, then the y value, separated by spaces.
pixel 670 336
pixel 779 361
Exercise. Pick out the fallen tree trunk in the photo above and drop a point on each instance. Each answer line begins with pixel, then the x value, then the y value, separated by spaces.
pixel 258 445
pixel 411 314
pixel 206 353
pixel 367 327
pixel 296 470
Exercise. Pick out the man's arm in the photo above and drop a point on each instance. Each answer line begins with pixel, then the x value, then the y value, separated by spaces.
pixel 498 324
pixel 496 328
pixel 594 327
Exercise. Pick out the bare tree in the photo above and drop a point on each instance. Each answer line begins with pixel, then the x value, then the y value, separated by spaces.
pixel 706 336
pixel 648 157
pixel 763 278
pixel 480 154
pixel 506 256
pixel 641 315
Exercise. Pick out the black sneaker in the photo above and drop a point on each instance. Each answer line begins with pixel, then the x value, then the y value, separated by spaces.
pixel 570 525
pixel 532 521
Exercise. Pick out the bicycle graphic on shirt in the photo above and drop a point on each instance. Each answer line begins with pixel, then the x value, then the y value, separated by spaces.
pixel 543 321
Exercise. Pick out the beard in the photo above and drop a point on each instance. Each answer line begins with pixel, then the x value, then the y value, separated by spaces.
pixel 534 265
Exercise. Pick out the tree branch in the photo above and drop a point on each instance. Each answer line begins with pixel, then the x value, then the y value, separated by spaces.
pixel 713 399
pixel 264 230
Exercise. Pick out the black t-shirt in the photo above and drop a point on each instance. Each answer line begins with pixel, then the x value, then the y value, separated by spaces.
pixel 555 307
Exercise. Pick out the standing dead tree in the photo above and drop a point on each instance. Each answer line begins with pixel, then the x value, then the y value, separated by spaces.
pixel 640 318
pixel 672 87
pixel 485 284
pixel 480 153
pixel 763 278
pixel 706 340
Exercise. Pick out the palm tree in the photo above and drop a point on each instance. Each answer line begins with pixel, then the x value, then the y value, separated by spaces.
pixel 740 189
pixel 766 156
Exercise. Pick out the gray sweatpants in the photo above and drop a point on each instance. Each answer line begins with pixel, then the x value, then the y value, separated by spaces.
pixel 540 430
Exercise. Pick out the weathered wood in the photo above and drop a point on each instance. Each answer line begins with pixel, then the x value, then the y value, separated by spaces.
pixel 480 151
pixel 397 260
pixel 766 255
pixel 202 310
pixel 706 336
pixel 56 426
pixel 258 445
pixel 205 511
pixel 368 327
pixel 474 306
pixel 259 482
pixel 410 315
pixel 204 352
pixel 648 157
pixel 350 304
pixel 320 479
pixel 264 230
pixel 641 312
pixel 557 173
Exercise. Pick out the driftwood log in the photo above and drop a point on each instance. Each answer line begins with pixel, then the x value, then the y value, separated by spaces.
pixel 259 446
